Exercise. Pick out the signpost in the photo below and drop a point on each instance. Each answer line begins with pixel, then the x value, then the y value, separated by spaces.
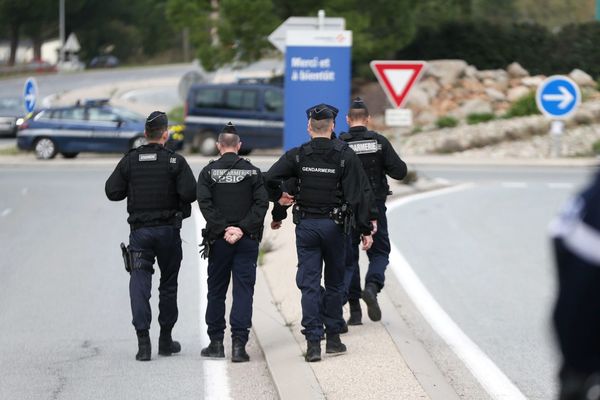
pixel 397 78
pixel 317 70
pixel 30 92
pixel 558 97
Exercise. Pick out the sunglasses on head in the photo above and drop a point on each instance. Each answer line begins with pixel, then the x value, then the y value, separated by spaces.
pixel 160 114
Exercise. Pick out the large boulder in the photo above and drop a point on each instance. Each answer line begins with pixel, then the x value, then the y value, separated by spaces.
pixel 582 78
pixel 515 70
pixel 418 98
pixel 516 93
pixel 533 81
pixel 430 86
pixel 495 94
pixel 473 106
pixel 447 71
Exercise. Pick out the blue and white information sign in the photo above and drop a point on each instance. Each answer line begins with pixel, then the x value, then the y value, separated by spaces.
pixel 317 70
pixel 558 97
pixel 30 92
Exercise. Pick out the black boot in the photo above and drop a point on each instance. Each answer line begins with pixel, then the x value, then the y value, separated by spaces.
pixel 166 344
pixel 144 346
pixel 355 312
pixel 369 295
pixel 334 345
pixel 313 351
pixel 344 328
pixel 238 351
pixel 214 350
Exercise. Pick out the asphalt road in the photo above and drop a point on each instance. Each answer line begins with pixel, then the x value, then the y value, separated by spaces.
pixel 64 306
pixel 484 255
pixel 61 82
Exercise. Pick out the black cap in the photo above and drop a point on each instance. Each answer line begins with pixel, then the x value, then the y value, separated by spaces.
pixel 229 128
pixel 322 111
pixel 157 120
pixel 358 104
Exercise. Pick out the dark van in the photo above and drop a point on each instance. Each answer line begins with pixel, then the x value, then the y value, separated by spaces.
pixel 255 109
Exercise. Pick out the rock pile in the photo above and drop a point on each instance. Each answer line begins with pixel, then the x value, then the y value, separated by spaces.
pixel 516 137
pixel 454 88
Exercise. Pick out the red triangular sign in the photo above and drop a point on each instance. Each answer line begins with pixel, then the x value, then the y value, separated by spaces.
pixel 397 78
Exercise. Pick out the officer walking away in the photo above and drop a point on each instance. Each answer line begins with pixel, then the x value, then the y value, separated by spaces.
pixel 234 201
pixel 331 181
pixel 159 186
pixel 576 236
pixel 378 160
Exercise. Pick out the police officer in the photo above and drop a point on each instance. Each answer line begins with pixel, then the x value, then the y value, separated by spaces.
pixel 329 175
pixel 378 160
pixel 159 186
pixel 234 201
pixel 577 313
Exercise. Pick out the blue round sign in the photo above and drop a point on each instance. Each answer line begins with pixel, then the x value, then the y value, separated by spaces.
pixel 558 97
pixel 30 94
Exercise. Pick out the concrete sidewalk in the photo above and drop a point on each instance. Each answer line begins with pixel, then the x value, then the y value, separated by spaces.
pixel 384 360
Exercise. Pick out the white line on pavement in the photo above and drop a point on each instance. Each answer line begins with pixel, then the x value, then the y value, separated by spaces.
pixel 561 185
pixel 6 212
pixel 216 381
pixel 481 366
pixel 514 185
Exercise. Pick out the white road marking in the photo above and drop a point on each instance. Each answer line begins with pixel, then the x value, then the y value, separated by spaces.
pixel 493 380
pixel 6 212
pixel 561 185
pixel 24 191
pixel 514 185
pixel 216 381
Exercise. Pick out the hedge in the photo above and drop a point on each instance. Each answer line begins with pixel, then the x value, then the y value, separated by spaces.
pixel 492 46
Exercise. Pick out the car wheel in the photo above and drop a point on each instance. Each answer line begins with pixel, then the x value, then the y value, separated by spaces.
pixel 138 141
pixel 45 149
pixel 69 155
pixel 205 143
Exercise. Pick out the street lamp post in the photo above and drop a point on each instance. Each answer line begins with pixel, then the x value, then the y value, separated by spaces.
pixel 61 29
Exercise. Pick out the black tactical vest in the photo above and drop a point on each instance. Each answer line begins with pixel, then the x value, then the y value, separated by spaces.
pixel 319 174
pixel 152 187
pixel 232 190
pixel 370 153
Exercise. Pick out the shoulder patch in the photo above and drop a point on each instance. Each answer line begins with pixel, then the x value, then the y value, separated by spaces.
pixel 148 157
pixel 365 146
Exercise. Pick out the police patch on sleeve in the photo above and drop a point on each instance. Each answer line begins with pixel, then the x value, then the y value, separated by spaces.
pixel 148 157
pixel 365 146
pixel 230 176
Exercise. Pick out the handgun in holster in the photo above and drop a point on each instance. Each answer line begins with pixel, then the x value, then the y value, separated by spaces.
pixel 296 214
pixel 126 257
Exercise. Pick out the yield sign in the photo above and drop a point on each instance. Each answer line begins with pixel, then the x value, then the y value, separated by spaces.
pixel 397 77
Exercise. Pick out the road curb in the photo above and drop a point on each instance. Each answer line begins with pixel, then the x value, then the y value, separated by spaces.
pixel 293 378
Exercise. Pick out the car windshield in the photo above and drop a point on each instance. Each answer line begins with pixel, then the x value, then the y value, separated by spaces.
pixel 128 115
pixel 12 105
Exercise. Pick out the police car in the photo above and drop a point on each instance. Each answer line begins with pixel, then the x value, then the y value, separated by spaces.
pixel 255 108
pixel 92 126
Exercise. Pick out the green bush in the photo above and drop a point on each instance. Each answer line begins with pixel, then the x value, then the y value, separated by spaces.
pixel 596 147
pixel 473 119
pixel 446 122
pixel 176 115
pixel 526 105
pixel 491 46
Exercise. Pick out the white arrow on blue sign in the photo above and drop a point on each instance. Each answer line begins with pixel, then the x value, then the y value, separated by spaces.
pixel 558 97
pixel 30 92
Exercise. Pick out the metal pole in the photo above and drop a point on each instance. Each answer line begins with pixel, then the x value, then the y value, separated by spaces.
pixel 61 29
pixel 186 44
pixel 321 19
pixel 598 10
